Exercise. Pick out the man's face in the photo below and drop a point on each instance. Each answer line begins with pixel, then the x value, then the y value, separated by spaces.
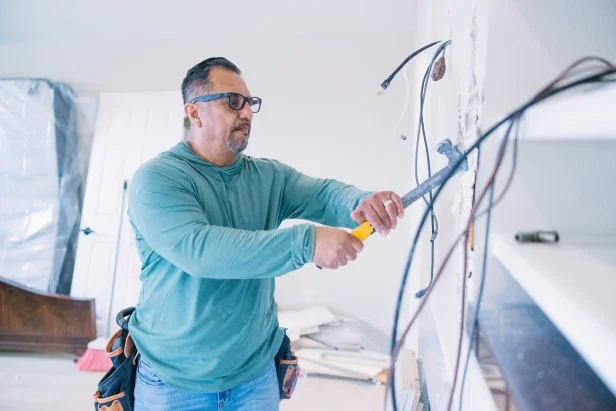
pixel 223 124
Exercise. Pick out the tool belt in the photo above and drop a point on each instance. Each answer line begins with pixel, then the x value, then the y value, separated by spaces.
pixel 287 369
pixel 115 389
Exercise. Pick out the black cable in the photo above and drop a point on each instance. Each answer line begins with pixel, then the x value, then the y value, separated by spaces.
pixel 513 168
pixel 491 205
pixel 474 146
pixel 569 71
pixel 489 186
pixel 396 347
pixel 423 222
pixel 421 132
pixel 514 122
pixel 388 80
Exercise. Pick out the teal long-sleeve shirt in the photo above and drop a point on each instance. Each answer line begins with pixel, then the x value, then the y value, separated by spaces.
pixel 210 247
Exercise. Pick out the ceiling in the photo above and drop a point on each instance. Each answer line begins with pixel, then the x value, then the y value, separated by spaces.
pixel 66 20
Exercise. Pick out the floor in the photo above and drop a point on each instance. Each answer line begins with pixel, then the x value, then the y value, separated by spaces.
pixel 52 382
pixel 494 378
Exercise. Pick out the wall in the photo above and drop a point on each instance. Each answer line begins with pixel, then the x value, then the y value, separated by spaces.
pixel 194 20
pixel 532 42
pixel 320 114
pixel 453 110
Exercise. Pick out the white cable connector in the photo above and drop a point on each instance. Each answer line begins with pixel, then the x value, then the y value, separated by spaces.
pixel 383 87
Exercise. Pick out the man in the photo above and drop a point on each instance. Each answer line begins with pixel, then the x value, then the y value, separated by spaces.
pixel 206 220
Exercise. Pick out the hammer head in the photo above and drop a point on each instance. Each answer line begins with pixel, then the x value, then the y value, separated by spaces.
pixel 453 154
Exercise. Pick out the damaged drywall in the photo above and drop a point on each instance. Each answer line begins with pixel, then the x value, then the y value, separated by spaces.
pixel 453 110
pixel 470 35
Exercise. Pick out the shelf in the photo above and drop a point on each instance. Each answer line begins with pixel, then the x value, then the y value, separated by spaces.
pixel 540 368
pixel 574 283
pixel 581 115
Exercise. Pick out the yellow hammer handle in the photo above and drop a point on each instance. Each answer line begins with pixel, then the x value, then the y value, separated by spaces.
pixel 363 231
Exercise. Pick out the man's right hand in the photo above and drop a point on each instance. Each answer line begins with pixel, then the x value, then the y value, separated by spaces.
pixel 334 248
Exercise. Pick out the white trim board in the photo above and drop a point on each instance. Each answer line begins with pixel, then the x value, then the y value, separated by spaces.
pixel 582 115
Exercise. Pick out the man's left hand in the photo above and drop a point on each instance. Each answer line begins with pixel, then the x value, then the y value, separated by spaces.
pixel 381 209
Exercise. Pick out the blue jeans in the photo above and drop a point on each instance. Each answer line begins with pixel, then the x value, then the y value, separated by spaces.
pixel 259 394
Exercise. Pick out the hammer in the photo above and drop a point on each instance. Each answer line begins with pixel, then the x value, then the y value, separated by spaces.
pixel 453 154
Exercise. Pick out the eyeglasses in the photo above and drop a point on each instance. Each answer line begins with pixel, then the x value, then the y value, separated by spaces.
pixel 235 101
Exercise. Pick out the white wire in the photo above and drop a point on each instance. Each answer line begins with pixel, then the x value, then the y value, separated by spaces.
pixel 406 99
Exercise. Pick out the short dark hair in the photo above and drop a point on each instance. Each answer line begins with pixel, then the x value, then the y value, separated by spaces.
pixel 198 76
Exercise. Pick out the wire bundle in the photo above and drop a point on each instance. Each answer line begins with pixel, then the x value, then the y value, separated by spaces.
pixel 601 74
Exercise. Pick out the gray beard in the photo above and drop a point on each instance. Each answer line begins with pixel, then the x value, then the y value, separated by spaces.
pixel 237 145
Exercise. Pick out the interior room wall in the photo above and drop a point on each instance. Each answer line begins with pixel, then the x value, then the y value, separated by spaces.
pixel 453 110
pixel 320 114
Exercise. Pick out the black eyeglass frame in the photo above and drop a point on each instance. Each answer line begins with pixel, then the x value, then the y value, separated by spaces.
pixel 210 97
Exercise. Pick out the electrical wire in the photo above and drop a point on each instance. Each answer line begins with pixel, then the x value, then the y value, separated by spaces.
pixel 393 340
pixel 489 186
pixel 514 122
pixel 488 211
pixel 513 168
pixel 421 133
pixel 388 80
pixel 474 323
pixel 540 97
pixel 421 129
pixel 476 145
pixel 395 353
pixel 571 70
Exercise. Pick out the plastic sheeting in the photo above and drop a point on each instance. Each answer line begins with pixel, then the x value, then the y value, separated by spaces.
pixel 43 128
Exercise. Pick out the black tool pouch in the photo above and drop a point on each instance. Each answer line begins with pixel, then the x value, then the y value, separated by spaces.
pixel 115 389
pixel 287 369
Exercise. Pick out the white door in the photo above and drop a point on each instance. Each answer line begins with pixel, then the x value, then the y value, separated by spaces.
pixel 130 129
